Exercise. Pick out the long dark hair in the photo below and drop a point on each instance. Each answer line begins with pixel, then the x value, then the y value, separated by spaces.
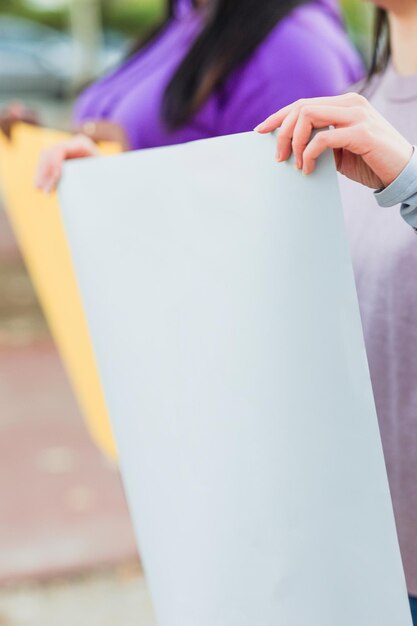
pixel 232 29
pixel 382 46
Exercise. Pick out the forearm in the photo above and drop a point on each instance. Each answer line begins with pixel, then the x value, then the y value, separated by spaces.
pixel 403 191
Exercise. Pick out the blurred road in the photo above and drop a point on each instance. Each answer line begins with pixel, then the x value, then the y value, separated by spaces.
pixel 115 598
pixel 67 551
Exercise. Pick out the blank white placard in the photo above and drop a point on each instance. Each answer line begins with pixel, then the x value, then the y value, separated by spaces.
pixel 221 303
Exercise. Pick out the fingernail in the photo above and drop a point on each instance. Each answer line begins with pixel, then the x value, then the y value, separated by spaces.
pixel 258 128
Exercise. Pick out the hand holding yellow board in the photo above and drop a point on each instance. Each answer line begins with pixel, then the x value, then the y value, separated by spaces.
pixel 37 224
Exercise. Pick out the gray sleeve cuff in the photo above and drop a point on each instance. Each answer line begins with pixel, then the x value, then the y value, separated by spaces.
pixel 403 190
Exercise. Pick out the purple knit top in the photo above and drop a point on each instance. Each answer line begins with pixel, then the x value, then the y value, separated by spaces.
pixel 307 54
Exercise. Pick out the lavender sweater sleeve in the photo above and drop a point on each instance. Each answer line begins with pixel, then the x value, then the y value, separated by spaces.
pixel 403 191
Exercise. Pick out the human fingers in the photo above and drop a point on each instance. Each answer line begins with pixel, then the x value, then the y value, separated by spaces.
pixel 275 120
pixel 312 117
pixel 16 112
pixel 49 168
pixel 378 150
pixel 285 135
pixel 50 164
pixel 334 139
pixel 16 109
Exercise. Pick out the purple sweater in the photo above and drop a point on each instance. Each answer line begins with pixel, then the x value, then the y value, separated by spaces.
pixel 307 54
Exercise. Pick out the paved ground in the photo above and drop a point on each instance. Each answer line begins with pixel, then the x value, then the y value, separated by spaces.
pixel 115 598
pixel 65 509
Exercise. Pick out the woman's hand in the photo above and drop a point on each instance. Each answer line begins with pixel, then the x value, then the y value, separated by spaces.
pixel 50 164
pixel 367 148
pixel 101 130
pixel 13 113
pixel 80 146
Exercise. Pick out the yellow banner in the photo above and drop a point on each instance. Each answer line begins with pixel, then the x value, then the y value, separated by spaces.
pixel 36 221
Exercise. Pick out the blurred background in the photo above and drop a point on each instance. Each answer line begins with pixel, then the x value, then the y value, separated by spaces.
pixel 67 552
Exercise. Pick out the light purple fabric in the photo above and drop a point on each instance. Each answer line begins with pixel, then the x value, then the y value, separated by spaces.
pixel 384 252
pixel 307 54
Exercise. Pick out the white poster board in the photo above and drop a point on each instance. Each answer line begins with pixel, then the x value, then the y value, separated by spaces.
pixel 221 303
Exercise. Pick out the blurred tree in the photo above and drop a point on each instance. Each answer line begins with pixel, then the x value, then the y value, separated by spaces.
pixel 54 16
pixel 86 29
pixel 133 17
pixel 136 17
pixel 359 19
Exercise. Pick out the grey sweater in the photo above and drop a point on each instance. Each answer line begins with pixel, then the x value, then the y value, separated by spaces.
pixel 384 253
pixel 403 191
